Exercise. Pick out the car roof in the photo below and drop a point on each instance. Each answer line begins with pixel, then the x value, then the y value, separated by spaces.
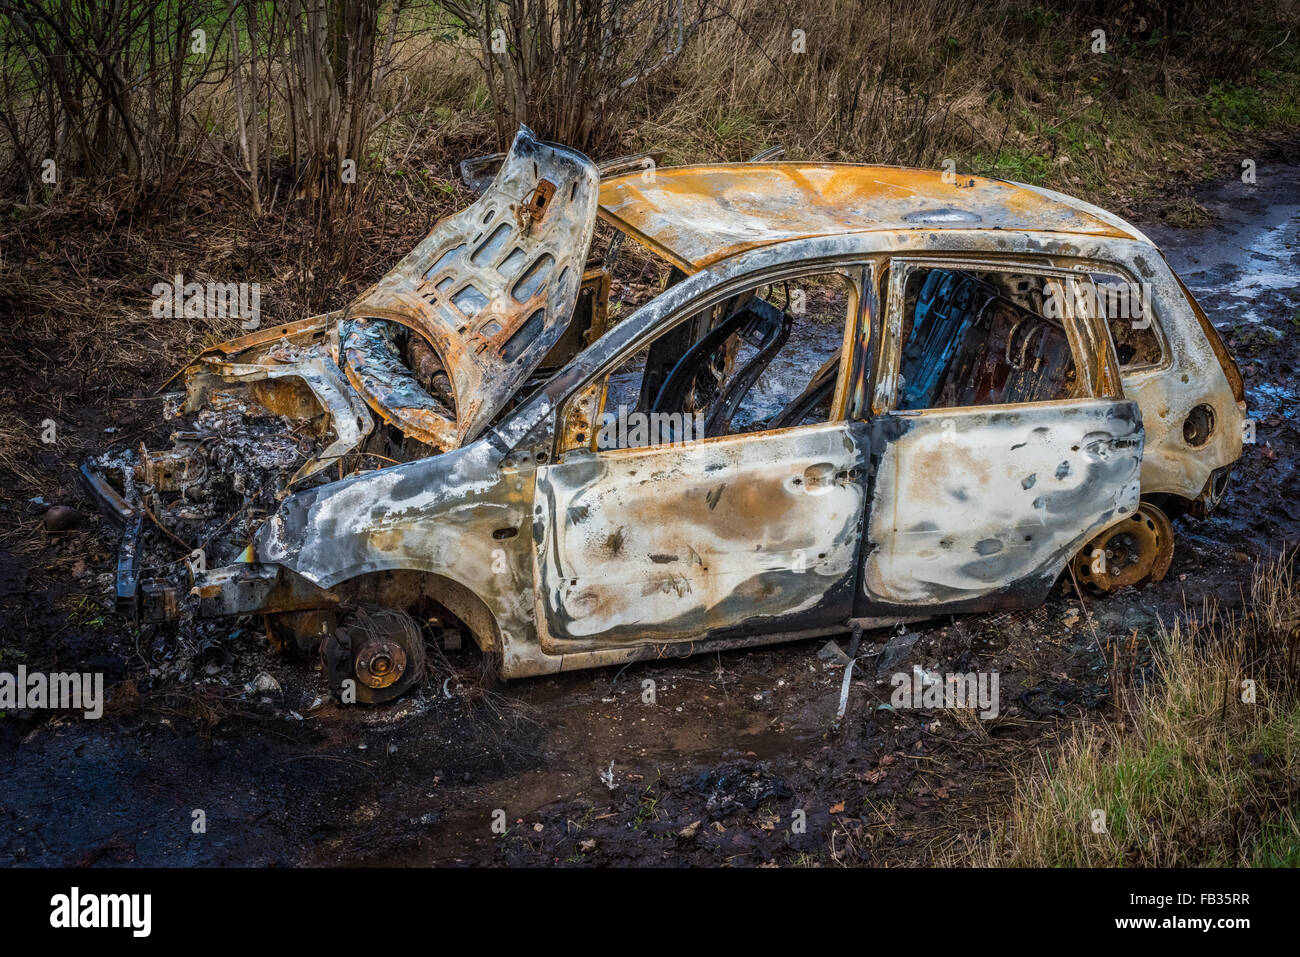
pixel 695 216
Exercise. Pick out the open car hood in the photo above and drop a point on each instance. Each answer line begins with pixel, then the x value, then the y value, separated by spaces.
pixel 491 289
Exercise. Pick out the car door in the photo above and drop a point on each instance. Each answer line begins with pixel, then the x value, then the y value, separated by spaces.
pixel 1003 441
pixel 734 534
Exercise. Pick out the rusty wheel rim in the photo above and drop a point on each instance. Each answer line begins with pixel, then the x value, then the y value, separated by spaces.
pixel 1135 551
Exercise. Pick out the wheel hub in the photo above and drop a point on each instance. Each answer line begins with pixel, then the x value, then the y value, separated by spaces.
pixel 1134 552
pixel 380 662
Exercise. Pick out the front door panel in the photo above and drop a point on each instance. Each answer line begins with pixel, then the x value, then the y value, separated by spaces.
pixel 756 532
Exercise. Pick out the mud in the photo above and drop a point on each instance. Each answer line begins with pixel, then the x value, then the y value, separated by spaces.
pixel 706 766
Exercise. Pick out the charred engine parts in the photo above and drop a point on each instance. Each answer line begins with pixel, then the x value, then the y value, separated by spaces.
pixel 196 505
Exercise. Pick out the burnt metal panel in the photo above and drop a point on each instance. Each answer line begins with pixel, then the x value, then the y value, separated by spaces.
pixel 678 542
pixel 973 502
pixel 695 216
pixel 492 288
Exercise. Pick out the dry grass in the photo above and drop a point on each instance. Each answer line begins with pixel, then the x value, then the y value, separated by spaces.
pixel 1190 774
pixel 1012 89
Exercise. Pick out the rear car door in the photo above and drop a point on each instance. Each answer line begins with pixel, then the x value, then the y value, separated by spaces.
pixel 1002 440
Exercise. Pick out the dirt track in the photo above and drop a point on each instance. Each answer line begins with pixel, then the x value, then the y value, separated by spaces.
pixel 735 742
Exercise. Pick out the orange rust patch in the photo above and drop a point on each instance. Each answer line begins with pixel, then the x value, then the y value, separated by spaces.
pixel 695 216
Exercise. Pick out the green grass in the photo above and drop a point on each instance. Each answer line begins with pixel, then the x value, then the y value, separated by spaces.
pixel 1094 140
pixel 84 612
pixel 647 808
pixel 1270 103
pixel 1190 775
pixel 1022 166
pixel 1278 844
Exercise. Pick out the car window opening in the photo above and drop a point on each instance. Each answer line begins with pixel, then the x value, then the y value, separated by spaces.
pixel 1130 317
pixel 981 338
pixel 766 358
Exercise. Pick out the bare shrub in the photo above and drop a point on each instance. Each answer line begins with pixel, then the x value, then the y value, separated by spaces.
pixel 100 88
pixel 564 67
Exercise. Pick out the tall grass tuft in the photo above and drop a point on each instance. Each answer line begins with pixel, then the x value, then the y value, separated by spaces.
pixel 1201 769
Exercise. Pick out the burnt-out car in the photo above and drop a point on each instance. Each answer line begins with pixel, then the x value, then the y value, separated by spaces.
pixel 866 395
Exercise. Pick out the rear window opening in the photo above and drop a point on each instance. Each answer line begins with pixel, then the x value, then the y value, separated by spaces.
pixel 1127 310
pixel 974 338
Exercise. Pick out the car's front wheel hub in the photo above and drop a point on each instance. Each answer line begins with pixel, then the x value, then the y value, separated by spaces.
pixel 374 656
pixel 380 662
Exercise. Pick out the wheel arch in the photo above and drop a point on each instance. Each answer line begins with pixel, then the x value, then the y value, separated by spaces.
pixel 413 589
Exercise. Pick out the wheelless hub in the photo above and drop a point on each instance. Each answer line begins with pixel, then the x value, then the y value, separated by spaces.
pixel 1136 551
pixel 381 651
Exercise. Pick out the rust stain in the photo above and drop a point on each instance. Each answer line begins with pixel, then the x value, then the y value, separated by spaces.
pixel 695 216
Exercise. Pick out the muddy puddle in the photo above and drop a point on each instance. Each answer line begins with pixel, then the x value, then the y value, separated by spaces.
pixel 708 760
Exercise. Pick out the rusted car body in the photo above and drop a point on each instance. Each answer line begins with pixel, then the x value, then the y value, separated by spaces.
pixel 979 424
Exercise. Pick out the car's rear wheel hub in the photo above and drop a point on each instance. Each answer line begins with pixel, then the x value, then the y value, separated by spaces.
pixel 1136 551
